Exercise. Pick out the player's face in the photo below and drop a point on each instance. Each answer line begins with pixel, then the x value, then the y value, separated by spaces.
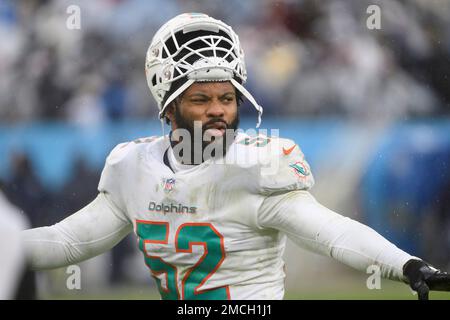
pixel 214 104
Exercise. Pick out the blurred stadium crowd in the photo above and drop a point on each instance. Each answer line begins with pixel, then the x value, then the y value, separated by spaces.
pixel 305 58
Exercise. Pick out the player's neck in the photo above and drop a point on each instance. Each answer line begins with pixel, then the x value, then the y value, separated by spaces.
pixel 181 157
pixel 192 152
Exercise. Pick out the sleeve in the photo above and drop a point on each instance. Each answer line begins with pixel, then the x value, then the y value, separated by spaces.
pixel 114 174
pixel 87 233
pixel 286 169
pixel 319 229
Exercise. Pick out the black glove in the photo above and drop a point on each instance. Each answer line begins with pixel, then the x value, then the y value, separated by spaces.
pixel 423 278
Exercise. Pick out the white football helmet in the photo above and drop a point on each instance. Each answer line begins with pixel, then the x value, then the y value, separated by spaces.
pixel 194 47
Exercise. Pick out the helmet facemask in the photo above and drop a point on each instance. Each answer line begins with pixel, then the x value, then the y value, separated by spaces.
pixel 194 48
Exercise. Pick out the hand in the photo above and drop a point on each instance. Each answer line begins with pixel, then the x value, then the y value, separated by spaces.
pixel 422 278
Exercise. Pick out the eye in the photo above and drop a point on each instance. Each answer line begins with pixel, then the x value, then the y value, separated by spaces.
pixel 198 100
pixel 228 99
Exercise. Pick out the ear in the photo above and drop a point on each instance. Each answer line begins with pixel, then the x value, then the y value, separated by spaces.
pixel 170 113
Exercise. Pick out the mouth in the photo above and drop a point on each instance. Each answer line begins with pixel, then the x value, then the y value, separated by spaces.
pixel 216 129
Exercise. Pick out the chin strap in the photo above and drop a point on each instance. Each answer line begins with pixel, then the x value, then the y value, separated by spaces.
pixel 250 98
pixel 162 126
pixel 175 94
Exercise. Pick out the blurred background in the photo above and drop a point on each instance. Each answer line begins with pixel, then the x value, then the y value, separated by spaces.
pixel 369 107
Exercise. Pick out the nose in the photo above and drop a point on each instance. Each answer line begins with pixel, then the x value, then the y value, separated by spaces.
pixel 215 109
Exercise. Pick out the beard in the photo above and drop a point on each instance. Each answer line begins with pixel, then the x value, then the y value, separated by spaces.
pixel 210 146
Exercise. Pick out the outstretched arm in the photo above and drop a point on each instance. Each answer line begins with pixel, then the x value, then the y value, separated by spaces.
pixel 319 229
pixel 87 233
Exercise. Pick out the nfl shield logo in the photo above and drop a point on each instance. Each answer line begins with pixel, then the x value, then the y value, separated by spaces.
pixel 168 184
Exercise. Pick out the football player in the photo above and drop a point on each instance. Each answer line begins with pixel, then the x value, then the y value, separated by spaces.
pixel 211 216
pixel 12 251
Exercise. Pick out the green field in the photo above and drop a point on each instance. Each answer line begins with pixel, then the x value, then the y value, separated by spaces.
pixel 390 291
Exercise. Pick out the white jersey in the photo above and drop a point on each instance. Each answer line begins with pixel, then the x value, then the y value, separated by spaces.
pixel 215 230
pixel 198 227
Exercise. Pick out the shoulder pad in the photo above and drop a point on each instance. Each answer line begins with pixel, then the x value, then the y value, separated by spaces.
pixel 120 165
pixel 286 168
pixel 123 149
